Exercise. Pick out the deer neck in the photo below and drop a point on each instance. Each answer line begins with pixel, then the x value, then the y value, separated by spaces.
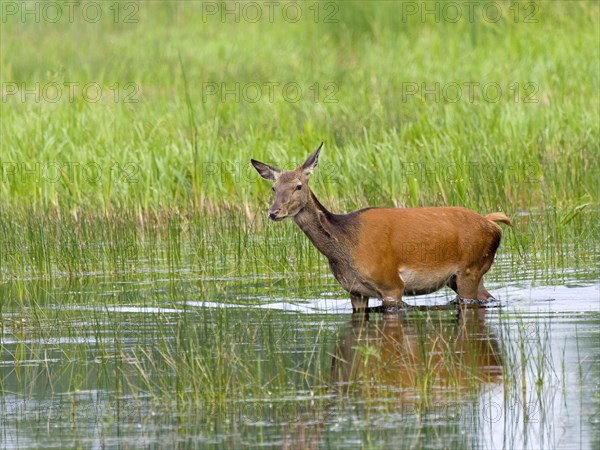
pixel 323 229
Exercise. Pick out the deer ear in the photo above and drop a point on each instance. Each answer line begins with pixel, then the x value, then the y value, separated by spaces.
pixel 311 162
pixel 266 171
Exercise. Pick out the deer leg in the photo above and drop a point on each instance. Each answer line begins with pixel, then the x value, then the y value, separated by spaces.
pixel 466 291
pixel 467 284
pixel 392 303
pixel 392 297
pixel 452 284
pixel 482 292
pixel 359 302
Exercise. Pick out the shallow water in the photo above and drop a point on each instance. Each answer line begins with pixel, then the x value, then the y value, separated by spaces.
pixel 524 374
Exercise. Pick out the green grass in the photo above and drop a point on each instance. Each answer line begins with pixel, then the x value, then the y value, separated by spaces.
pixel 170 150
pixel 155 203
pixel 152 178
pixel 254 256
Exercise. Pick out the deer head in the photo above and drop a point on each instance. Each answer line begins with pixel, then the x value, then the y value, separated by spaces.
pixel 291 186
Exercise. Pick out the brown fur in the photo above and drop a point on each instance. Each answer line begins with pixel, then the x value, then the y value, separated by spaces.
pixel 389 252
pixel 499 217
pixel 419 250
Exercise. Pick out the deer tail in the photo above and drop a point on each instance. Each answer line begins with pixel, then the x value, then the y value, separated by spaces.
pixel 499 217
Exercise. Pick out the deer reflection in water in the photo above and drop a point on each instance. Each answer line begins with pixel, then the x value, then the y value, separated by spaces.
pixel 411 362
pixel 428 352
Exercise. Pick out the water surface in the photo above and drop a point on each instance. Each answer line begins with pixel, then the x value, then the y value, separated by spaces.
pixel 129 361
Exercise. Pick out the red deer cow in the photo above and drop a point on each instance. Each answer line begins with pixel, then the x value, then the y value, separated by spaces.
pixel 389 252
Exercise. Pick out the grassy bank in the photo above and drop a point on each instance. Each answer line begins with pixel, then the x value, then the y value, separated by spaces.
pixel 492 115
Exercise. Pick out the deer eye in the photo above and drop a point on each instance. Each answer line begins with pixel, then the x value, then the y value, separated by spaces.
pixel 298 187
pixel 273 188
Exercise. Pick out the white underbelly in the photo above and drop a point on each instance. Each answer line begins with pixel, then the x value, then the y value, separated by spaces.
pixel 418 282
